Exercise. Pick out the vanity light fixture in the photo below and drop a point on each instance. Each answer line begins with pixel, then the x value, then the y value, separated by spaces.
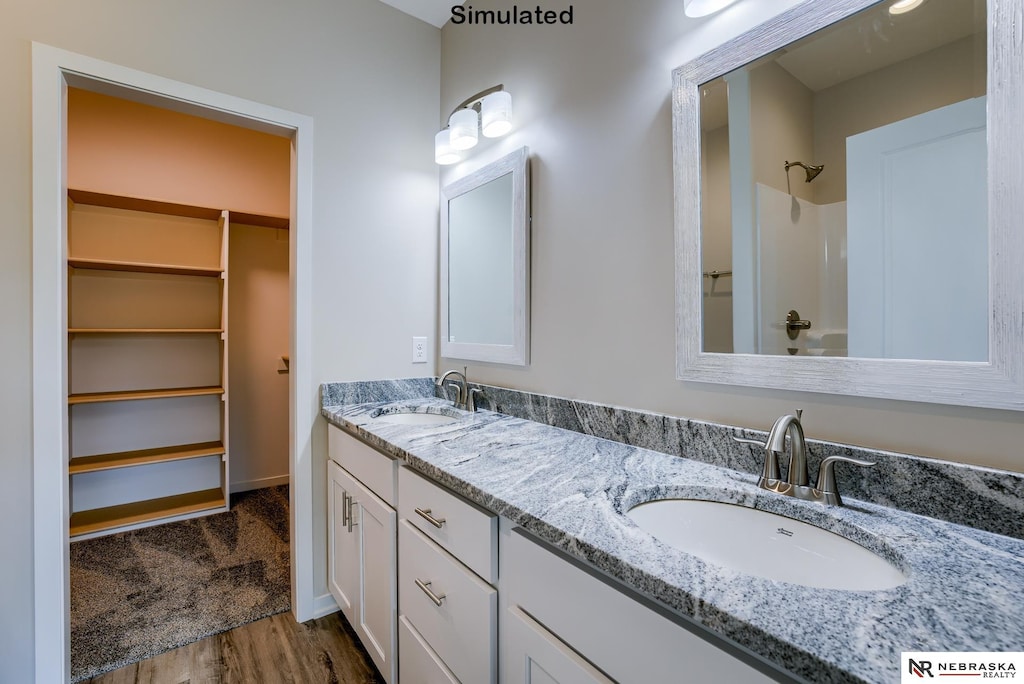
pixel 444 154
pixel 488 112
pixel 496 114
pixel 463 129
pixel 904 6
pixel 702 8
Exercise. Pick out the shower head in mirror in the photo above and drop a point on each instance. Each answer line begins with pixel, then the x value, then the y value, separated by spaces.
pixel 811 170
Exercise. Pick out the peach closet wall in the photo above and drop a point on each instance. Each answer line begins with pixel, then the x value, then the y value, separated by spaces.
pixel 124 148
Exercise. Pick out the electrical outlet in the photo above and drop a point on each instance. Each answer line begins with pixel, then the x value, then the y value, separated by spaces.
pixel 419 350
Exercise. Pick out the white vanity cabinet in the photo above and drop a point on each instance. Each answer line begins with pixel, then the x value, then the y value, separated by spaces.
pixel 416 569
pixel 362 545
pixel 563 624
pixel 447 564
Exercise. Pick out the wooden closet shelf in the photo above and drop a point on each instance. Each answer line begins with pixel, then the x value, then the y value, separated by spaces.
pixel 102 397
pixel 262 220
pixel 99 199
pixel 145 331
pixel 112 517
pixel 126 459
pixel 141 267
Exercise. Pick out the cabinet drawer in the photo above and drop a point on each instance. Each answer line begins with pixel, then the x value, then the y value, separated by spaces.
pixel 376 470
pixel 419 663
pixel 462 629
pixel 467 531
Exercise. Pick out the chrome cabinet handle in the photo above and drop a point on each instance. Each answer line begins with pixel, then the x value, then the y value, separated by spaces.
pixel 425 586
pixel 351 521
pixel 425 514
pixel 344 509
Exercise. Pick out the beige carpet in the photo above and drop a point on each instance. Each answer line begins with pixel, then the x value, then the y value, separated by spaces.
pixel 139 593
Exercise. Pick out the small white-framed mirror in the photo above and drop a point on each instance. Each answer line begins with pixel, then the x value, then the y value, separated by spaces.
pixel 825 241
pixel 485 263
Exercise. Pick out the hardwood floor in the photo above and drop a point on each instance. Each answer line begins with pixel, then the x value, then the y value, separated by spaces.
pixel 275 650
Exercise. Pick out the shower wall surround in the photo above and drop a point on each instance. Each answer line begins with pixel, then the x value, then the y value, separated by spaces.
pixel 983 498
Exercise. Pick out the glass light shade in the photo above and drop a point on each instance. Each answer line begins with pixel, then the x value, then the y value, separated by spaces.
pixel 443 152
pixel 463 125
pixel 903 6
pixel 496 114
pixel 702 8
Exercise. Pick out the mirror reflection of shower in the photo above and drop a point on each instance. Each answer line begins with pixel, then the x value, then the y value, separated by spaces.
pixel 811 170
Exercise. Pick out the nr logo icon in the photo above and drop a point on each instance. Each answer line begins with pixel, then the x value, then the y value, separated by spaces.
pixel 920 668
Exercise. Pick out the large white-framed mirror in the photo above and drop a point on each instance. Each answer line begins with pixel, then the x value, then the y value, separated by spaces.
pixel 485 263
pixel 848 193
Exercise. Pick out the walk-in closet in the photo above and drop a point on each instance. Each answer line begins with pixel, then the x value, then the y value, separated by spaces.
pixel 178 360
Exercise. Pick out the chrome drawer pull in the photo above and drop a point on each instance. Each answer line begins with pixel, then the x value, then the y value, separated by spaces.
pixel 438 523
pixel 425 586
pixel 351 523
pixel 344 509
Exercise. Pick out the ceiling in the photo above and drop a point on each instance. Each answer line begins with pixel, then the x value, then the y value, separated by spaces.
pixel 873 40
pixel 861 44
pixel 434 12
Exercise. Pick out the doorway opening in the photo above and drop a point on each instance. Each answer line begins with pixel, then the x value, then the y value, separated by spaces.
pixel 178 316
pixel 56 380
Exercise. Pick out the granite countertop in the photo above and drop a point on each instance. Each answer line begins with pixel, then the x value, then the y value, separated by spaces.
pixel 963 591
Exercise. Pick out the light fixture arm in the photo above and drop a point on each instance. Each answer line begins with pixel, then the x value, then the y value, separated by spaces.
pixel 474 100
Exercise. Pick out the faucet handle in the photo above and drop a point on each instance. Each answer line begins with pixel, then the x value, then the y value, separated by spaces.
pixel 827 476
pixel 453 385
pixel 770 470
pixel 471 401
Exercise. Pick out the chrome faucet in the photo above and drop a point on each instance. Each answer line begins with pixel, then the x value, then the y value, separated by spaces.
pixel 795 484
pixel 465 397
pixel 460 386
pixel 789 426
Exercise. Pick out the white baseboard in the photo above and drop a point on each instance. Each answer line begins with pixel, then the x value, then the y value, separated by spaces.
pixel 247 485
pixel 324 605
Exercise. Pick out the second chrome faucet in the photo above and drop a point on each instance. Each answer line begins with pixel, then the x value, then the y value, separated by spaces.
pixel 795 484
pixel 465 397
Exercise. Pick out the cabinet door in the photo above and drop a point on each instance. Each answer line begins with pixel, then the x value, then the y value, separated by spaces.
pixel 376 529
pixel 342 545
pixel 536 656
pixel 419 663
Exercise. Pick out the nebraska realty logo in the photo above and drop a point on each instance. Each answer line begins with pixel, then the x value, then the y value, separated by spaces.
pixel 918 665
pixel 513 15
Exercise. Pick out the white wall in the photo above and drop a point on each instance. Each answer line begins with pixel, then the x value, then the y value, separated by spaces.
pixel 783 109
pixel 356 67
pixel 592 102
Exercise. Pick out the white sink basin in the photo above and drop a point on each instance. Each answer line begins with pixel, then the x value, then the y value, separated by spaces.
pixel 765 545
pixel 412 418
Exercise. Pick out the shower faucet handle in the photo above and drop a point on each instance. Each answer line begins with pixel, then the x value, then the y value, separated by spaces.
pixel 794 324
